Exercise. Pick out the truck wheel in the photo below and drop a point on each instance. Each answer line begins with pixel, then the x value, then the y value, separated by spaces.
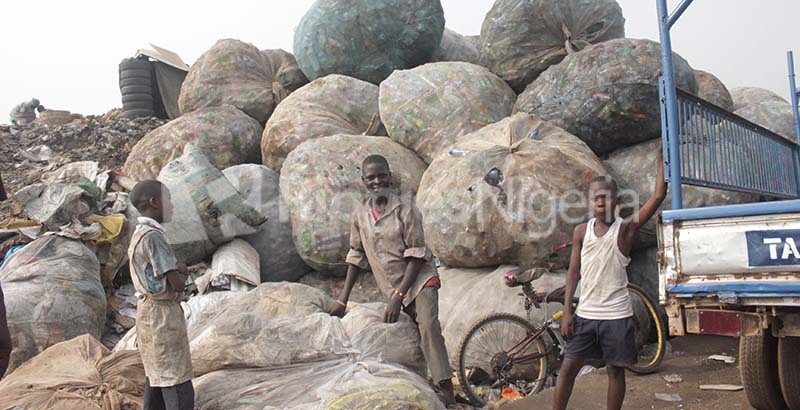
pixel 788 370
pixel 759 371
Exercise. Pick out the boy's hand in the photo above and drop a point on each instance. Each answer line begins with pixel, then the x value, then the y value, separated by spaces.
pixel 339 308
pixel 392 312
pixel 567 325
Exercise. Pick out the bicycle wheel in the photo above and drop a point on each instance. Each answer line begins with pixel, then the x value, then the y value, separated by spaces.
pixel 651 332
pixel 489 359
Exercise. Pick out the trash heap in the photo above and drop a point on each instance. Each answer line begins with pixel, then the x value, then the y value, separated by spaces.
pixel 264 168
pixel 28 151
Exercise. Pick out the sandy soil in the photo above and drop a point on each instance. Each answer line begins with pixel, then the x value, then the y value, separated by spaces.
pixel 688 359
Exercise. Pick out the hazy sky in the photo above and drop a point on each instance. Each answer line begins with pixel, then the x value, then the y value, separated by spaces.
pixel 66 53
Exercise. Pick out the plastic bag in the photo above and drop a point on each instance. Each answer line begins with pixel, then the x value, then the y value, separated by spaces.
pixel 321 183
pixel 745 96
pixel 79 374
pixel 521 39
pixel 53 293
pixel 711 89
pixel 507 193
pixel 239 260
pixel 329 385
pixel 455 47
pixel 208 211
pixel 268 300
pixel 287 76
pixel 226 135
pixel 429 107
pixel 331 105
pixel 53 205
pixel 231 72
pixel 775 116
pixel 396 343
pixel 606 94
pixel 245 340
pixel 367 40
pixel 259 186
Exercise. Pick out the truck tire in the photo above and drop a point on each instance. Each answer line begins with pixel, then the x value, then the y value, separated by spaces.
pixel 759 371
pixel 138 105
pixel 134 64
pixel 136 89
pixel 134 73
pixel 129 98
pixel 138 113
pixel 144 82
pixel 789 371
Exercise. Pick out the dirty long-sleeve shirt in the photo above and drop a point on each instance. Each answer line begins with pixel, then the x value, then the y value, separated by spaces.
pixel 5 337
pixel 383 244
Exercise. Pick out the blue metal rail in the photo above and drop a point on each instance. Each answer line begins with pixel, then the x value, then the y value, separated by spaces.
pixel 705 145
pixel 721 150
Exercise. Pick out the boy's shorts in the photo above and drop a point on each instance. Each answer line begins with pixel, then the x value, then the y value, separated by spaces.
pixel 613 341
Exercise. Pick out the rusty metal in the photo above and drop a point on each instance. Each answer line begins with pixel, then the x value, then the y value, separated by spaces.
pixel 692 321
pixel 675 319
pixel 724 322
pixel 788 325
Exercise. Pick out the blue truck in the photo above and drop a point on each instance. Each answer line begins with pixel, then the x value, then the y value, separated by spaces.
pixel 732 270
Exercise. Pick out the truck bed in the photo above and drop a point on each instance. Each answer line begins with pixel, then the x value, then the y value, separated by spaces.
pixel 736 255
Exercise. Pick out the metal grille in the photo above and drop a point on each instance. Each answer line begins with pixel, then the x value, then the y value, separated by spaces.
pixel 722 150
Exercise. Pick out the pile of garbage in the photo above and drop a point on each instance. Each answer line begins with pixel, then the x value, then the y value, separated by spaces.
pixel 264 168
pixel 30 150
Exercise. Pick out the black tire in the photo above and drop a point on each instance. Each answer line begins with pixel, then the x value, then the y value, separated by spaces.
pixel 136 89
pixel 138 105
pixel 759 371
pixel 135 73
pixel 138 113
pixel 144 82
pixel 134 64
pixel 657 333
pixel 789 371
pixel 466 372
pixel 129 98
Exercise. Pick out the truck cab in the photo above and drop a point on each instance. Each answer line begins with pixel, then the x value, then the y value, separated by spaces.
pixel 732 270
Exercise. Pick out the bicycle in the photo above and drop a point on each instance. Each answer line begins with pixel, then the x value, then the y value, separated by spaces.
pixel 506 355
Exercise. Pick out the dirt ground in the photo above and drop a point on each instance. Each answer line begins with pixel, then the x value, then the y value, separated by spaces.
pixel 689 360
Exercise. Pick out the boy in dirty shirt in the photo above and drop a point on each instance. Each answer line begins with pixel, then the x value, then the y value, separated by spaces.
pixel 602 325
pixel 386 235
pixel 159 281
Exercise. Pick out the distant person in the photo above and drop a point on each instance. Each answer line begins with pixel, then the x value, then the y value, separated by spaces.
pixel 159 281
pixel 25 112
pixel 602 325
pixel 5 337
pixel 3 195
pixel 386 234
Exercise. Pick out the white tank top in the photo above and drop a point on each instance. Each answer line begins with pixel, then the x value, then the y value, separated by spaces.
pixel 604 280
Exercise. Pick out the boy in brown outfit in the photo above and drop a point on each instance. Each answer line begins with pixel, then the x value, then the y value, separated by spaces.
pixel 386 235
pixel 159 281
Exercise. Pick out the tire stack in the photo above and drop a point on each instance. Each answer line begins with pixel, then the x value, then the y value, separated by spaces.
pixel 136 86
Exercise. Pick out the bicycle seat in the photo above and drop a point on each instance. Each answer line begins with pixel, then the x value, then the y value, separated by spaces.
pixel 519 277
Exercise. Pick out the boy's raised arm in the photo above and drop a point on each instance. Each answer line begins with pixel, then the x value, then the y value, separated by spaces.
pixel 651 206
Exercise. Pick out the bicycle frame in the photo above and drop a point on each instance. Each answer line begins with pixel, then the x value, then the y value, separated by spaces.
pixel 545 326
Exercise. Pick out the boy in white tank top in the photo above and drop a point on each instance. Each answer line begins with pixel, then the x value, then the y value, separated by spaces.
pixel 602 326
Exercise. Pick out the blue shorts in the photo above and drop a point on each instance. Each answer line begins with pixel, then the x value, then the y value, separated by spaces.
pixel 613 341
